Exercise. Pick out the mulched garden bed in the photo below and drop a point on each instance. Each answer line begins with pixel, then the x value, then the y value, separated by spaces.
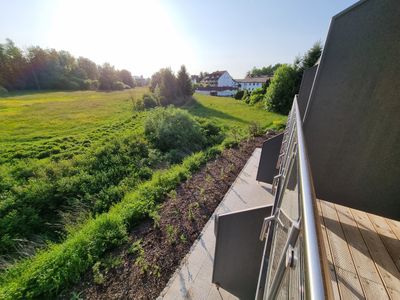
pixel 141 270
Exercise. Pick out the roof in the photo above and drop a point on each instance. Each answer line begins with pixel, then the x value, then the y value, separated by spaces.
pixel 254 79
pixel 214 75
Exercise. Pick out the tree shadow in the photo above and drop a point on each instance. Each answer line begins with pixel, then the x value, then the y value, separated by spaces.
pixel 12 94
pixel 199 110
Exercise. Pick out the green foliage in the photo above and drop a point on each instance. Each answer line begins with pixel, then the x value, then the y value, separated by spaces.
pixel 118 86
pixel 136 248
pixel 255 129
pixel 193 207
pixel 256 96
pixel 175 131
pixel 239 95
pixel 310 58
pixel 172 234
pixel 278 125
pixel 264 71
pixel 38 69
pixel 149 101
pixel 62 264
pixel 126 78
pixel 3 91
pixel 184 82
pixel 90 134
pixel 281 91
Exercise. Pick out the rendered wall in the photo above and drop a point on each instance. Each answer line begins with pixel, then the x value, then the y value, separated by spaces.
pixel 352 124
pixel 305 88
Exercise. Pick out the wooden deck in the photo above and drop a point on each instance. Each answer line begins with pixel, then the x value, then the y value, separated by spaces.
pixel 363 252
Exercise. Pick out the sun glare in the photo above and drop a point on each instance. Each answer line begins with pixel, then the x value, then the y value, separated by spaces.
pixel 138 35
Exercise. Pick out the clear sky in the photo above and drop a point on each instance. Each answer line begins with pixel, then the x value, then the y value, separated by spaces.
pixel 143 36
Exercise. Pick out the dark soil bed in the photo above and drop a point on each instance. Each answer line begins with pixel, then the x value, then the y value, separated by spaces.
pixel 141 270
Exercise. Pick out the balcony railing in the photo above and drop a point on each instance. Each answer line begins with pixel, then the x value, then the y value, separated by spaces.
pixel 297 266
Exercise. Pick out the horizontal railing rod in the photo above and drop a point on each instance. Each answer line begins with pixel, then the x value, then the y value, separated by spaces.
pixel 317 282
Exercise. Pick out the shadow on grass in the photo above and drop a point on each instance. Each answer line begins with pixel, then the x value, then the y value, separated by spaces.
pixel 199 110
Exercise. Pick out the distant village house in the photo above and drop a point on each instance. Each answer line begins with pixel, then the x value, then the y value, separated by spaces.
pixel 221 83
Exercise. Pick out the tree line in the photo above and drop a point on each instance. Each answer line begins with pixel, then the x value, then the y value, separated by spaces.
pixel 49 69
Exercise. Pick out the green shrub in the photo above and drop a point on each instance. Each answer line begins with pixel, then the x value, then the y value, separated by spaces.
pixel 278 125
pixel 239 95
pixel 89 84
pixel 172 129
pixel 149 101
pixel 3 91
pixel 118 85
pixel 246 97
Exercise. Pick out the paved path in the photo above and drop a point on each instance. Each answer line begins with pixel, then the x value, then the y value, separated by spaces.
pixel 192 280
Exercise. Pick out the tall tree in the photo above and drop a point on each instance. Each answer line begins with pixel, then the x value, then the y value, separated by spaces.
pixel 184 82
pixel 126 77
pixel 108 76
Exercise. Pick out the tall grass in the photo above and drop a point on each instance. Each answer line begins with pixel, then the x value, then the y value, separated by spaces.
pixel 51 270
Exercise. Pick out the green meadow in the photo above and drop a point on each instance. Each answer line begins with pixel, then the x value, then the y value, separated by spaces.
pixel 77 171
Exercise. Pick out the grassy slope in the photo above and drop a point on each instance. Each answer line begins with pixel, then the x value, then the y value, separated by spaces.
pixel 31 120
pixel 231 112
pixel 40 125
pixel 28 117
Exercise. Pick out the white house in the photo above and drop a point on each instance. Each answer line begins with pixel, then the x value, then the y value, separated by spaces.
pixel 252 83
pixel 221 83
pixel 218 83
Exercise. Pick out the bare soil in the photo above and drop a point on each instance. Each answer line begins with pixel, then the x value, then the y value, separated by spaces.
pixel 166 238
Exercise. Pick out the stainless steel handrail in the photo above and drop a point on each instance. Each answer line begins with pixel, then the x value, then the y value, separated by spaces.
pixel 317 279
pixel 316 265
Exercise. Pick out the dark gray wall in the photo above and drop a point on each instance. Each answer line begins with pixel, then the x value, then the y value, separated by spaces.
pixel 352 124
pixel 305 88
pixel 269 157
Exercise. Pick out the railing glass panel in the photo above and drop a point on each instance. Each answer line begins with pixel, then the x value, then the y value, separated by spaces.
pixel 297 268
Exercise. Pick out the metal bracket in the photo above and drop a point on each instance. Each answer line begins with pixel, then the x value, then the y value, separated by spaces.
pixel 266 222
pixel 265 226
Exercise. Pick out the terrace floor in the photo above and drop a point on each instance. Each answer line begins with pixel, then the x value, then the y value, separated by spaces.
pixel 363 252
pixel 192 280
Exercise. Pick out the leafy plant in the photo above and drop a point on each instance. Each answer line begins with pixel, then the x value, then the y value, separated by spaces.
pixel 98 276
pixel 191 210
pixel 172 233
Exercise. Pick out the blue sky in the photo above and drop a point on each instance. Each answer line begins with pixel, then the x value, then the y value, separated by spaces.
pixel 144 36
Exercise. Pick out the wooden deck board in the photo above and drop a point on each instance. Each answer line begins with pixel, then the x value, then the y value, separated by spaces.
pixel 348 281
pixel 334 282
pixel 363 253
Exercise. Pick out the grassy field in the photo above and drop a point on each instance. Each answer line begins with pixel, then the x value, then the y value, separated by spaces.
pixel 77 170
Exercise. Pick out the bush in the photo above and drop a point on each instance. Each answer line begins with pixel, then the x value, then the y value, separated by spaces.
pixel 211 131
pixel 174 129
pixel 278 125
pixel 118 85
pixel 90 84
pixel 256 96
pixel 239 95
pixel 246 97
pixel 281 91
pixel 149 101
pixel 3 91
